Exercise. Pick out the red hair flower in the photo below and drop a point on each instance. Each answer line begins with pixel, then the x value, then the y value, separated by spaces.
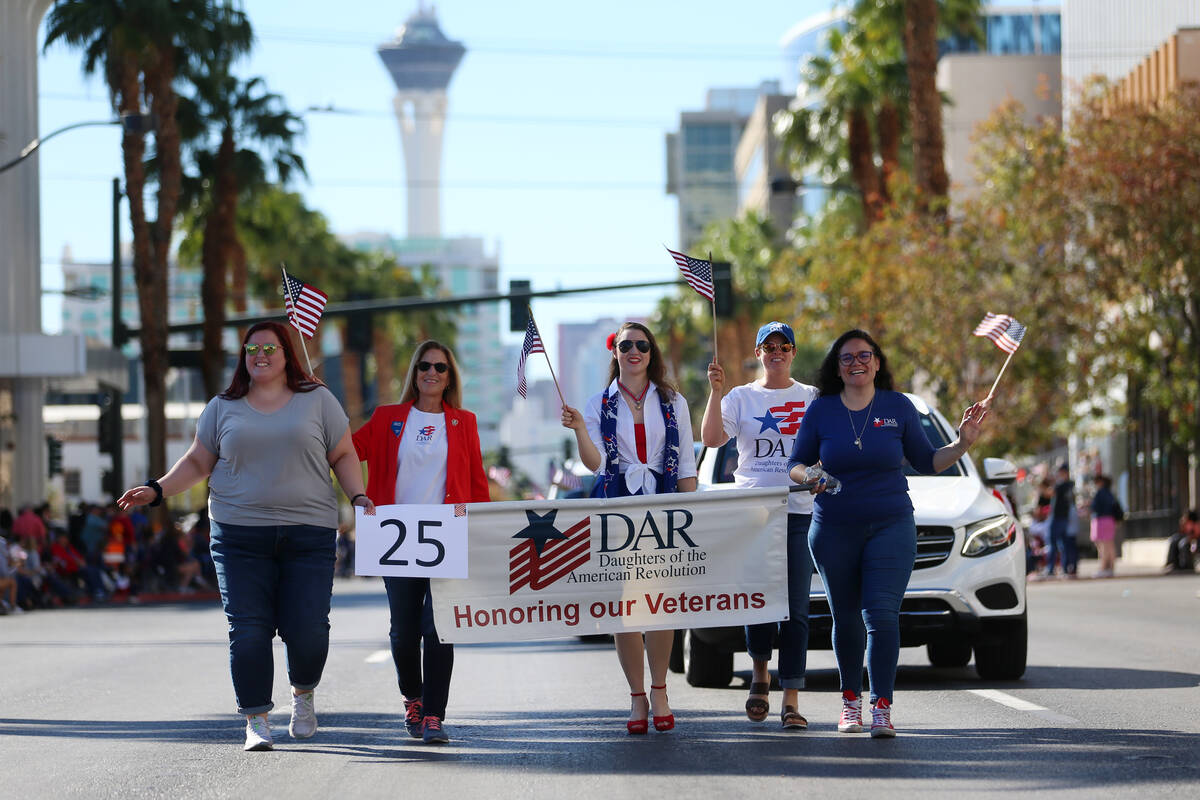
pixel 608 343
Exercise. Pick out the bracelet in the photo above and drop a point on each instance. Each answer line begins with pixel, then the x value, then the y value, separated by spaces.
pixel 360 494
pixel 158 495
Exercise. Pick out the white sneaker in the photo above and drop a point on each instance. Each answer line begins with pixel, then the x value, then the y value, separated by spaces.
pixel 258 734
pixel 304 716
pixel 881 720
pixel 851 719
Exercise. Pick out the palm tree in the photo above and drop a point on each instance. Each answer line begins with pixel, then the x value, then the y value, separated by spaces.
pixel 225 121
pixel 140 46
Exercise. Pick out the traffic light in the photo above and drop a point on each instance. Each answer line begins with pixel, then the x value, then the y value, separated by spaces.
pixel 108 484
pixel 723 289
pixel 518 302
pixel 54 465
pixel 109 432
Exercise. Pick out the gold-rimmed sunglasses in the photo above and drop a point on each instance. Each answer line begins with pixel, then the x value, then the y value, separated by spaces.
pixel 268 349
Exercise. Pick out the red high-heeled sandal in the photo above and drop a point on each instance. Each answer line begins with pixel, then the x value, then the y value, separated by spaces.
pixel 637 726
pixel 667 722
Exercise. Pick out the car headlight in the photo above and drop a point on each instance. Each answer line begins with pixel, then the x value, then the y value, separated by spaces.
pixel 989 535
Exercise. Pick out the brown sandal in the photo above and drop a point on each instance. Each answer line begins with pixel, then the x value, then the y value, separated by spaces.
pixel 757 708
pixel 791 719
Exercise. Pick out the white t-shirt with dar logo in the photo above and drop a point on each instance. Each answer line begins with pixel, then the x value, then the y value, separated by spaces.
pixel 764 422
pixel 421 473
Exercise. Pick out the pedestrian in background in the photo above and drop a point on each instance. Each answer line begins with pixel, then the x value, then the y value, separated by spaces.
pixel 1106 511
pixel 267 444
pixel 1064 524
pixel 425 450
pixel 864 538
pixel 636 436
pixel 764 416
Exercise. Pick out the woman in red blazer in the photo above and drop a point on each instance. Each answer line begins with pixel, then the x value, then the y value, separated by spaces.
pixel 424 450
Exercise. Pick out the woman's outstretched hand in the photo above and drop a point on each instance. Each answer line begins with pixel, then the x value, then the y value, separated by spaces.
pixel 972 422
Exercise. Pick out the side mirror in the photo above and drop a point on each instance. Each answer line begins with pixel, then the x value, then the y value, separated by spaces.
pixel 998 471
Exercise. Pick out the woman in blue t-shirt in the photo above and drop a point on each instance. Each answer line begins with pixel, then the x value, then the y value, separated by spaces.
pixel 863 538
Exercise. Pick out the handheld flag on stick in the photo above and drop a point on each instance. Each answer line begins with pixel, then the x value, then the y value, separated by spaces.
pixel 304 305
pixel 533 344
pixel 699 275
pixel 1006 333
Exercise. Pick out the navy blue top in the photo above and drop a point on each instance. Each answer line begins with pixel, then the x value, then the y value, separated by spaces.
pixel 873 482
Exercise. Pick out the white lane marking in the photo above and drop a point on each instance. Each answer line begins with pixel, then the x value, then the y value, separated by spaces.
pixel 378 656
pixel 1023 705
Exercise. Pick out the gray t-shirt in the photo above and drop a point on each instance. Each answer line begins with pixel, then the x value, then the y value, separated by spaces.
pixel 273 469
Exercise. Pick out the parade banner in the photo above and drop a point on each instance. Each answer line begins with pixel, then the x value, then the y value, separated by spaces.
pixel 558 568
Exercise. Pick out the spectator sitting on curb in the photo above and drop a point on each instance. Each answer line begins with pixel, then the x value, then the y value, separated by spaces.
pixel 1182 546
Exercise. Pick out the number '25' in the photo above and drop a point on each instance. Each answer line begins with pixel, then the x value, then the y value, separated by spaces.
pixel 387 560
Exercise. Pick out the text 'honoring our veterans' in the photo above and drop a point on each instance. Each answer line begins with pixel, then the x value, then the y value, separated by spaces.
pixel 554 569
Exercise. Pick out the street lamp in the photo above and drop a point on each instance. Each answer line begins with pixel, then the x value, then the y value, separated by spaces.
pixel 139 124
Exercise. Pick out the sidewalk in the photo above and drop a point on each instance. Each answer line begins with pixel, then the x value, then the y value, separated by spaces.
pixel 1140 558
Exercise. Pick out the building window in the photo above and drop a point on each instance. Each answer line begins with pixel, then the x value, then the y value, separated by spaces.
pixel 1050 33
pixel 1010 34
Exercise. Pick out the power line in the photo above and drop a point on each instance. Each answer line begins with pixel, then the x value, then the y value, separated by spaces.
pixel 505 185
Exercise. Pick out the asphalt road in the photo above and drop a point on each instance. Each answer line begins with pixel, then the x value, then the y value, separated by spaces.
pixel 136 702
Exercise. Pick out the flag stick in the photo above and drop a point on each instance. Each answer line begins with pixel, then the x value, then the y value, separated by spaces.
pixel 713 303
pixel 288 292
pixel 547 355
pixel 992 393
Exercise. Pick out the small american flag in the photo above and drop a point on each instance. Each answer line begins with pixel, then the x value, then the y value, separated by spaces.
pixel 460 509
pixel 304 305
pixel 1002 329
pixel 697 272
pixel 567 479
pixel 533 344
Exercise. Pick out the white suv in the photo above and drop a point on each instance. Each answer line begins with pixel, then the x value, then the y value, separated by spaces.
pixel 967 591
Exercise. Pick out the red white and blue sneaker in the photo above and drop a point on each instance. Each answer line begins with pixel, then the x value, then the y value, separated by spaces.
pixel 881 720
pixel 851 719
pixel 414 718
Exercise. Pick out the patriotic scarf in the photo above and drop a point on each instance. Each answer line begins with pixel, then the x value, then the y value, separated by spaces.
pixel 609 404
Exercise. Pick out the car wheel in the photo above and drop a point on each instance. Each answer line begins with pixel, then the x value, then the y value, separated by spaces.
pixel 949 653
pixel 676 662
pixel 1001 649
pixel 704 665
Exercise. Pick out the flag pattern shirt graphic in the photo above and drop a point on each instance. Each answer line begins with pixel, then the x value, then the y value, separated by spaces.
pixel 1003 330
pixel 304 305
pixel 697 272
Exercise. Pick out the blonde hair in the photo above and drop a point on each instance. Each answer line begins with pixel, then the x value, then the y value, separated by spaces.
pixel 452 395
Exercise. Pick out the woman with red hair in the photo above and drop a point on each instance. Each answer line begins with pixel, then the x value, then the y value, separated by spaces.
pixel 266 445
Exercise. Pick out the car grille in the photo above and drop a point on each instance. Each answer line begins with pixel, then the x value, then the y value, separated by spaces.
pixel 934 543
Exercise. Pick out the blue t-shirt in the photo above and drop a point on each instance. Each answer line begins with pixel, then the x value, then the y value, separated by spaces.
pixel 873 483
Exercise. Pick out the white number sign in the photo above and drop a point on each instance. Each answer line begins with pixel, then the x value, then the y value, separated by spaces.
pixel 411 541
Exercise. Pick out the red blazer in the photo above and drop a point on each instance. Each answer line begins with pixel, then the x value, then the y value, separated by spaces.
pixel 378 443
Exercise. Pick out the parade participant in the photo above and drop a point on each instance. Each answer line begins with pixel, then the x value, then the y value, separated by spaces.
pixel 637 436
pixel 864 539
pixel 764 416
pixel 266 445
pixel 423 450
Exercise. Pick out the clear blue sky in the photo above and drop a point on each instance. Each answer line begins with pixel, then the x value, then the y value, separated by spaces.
pixel 554 148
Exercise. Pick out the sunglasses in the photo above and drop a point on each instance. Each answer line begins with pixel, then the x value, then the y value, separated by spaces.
pixel 425 366
pixel 771 347
pixel 642 345
pixel 864 356
pixel 268 349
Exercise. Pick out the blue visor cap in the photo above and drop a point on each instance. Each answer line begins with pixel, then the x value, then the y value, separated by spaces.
pixel 782 328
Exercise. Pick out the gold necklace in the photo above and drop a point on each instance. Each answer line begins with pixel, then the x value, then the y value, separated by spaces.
pixel 858 436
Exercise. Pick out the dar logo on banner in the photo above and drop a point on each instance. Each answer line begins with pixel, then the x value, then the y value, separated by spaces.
pixel 546 554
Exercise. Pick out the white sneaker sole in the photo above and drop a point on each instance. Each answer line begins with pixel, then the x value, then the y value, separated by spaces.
pixel 883 733
pixel 295 734
pixel 258 746
pixel 850 728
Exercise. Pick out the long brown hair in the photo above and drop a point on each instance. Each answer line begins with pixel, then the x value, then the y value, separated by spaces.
pixel 297 379
pixel 656 370
pixel 452 394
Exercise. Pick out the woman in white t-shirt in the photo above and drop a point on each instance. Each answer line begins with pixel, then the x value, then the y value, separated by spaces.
pixel 764 416
pixel 637 436
pixel 423 450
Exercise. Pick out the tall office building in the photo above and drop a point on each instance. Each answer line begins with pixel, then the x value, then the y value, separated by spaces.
pixel 700 158
pixel 421 61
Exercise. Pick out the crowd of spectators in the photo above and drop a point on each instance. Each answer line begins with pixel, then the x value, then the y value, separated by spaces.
pixel 98 554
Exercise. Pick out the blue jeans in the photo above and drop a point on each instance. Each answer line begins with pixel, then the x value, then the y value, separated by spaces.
pixel 412 622
pixel 793 632
pixel 866 568
pixel 274 578
pixel 1062 544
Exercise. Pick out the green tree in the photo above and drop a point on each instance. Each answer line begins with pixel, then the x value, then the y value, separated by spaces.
pixel 226 121
pixel 140 46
